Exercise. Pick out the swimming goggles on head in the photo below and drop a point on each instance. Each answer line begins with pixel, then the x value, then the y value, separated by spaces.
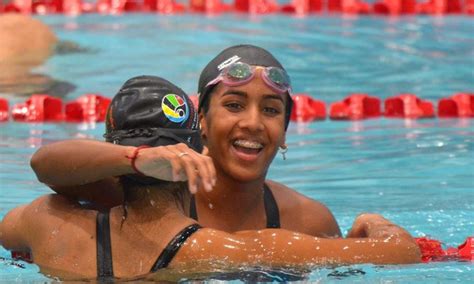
pixel 241 73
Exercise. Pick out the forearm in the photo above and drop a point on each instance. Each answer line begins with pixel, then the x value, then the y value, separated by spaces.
pixel 282 248
pixel 290 249
pixel 78 162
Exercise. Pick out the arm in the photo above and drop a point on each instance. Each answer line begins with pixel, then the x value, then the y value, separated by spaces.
pixel 84 168
pixel 79 162
pixel 282 248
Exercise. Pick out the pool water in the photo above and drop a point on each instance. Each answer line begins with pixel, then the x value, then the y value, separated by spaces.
pixel 418 173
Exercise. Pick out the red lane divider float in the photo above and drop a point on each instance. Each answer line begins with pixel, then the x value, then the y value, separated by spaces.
pixel 121 6
pixel 195 101
pixel 459 105
pixel 356 106
pixel 395 7
pixel 469 7
pixel 432 250
pixel 408 106
pixel 303 7
pixel 307 109
pixel 90 107
pixel 70 7
pixel 300 7
pixel 256 6
pixel 39 108
pixel 439 7
pixel 3 110
pixel 93 108
pixel 349 6
pixel 209 6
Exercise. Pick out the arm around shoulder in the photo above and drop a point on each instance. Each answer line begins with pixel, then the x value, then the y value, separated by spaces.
pixel 79 162
pixel 282 248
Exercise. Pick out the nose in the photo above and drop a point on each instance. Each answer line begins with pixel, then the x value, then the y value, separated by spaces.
pixel 252 120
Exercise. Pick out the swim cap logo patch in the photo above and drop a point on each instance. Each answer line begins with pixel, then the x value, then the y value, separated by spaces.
pixel 175 108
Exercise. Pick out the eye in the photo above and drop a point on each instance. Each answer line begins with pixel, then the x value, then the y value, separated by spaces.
pixel 271 110
pixel 233 106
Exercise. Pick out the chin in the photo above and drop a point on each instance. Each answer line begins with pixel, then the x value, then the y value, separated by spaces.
pixel 246 174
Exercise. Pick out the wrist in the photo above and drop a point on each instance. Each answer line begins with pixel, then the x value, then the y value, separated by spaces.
pixel 133 156
pixel 127 151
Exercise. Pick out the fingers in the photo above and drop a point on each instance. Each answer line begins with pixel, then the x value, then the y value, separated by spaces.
pixel 199 169
pixel 210 165
pixel 205 151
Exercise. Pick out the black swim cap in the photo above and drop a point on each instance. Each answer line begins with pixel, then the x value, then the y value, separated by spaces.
pixel 249 54
pixel 152 111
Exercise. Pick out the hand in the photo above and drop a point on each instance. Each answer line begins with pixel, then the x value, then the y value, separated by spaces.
pixel 374 226
pixel 178 163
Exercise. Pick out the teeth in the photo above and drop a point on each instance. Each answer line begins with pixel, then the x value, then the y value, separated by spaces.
pixel 248 144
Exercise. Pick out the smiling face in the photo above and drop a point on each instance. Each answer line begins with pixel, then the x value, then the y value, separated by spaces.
pixel 243 128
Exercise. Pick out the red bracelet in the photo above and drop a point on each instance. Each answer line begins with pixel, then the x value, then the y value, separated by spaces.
pixel 134 156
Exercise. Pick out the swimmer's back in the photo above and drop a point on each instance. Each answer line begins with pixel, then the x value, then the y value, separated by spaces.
pixel 47 227
pixel 63 241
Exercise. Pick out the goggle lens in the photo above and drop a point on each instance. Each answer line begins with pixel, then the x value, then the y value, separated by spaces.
pixel 239 72
pixel 278 77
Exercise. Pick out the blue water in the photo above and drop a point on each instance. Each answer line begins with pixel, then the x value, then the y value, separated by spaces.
pixel 418 173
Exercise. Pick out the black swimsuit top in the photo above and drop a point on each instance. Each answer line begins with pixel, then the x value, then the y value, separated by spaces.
pixel 271 208
pixel 105 272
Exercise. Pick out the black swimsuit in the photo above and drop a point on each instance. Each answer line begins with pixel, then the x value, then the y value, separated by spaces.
pixel 271 208
pixel 105 270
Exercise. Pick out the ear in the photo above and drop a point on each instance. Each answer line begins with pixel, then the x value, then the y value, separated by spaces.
pixel 203 125
pixel 283 144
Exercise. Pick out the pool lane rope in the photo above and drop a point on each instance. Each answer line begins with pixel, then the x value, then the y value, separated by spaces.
pixel 254 7
pixel 93 108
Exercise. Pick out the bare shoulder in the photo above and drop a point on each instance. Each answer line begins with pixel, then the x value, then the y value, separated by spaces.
pixel 303 214
pixel 50 204
pixel 15 226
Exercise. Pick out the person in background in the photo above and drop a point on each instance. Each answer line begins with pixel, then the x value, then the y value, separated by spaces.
pixel 26 43
pixel 150 230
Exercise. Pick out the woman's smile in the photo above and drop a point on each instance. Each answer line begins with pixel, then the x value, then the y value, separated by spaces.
pixel 247 149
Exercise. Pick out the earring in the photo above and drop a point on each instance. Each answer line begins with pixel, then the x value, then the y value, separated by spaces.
pixel 283 150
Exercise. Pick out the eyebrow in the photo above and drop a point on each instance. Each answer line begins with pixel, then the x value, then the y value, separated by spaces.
pixel 235 93
pixel 244 95
pixel 274 97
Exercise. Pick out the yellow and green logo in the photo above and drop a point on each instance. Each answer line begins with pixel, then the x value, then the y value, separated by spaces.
pixel 175 108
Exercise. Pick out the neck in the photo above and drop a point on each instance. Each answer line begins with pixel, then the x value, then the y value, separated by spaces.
pixel 153 202
pixel 228 190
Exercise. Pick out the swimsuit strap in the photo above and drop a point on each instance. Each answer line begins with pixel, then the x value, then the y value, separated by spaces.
pixel 192 208
pixel 271 208
pixel 173 246
pixel 105 269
